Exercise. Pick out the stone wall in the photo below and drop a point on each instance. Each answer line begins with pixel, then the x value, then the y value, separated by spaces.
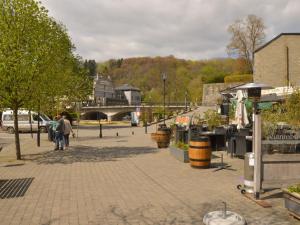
pixel 211 92
pixel 271 63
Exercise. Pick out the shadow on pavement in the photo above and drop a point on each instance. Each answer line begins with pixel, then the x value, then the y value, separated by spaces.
pixel 83 153
pixel 170 215
pixel 104 127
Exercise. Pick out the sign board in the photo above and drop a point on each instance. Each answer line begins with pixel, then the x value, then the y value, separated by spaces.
pixel 183 121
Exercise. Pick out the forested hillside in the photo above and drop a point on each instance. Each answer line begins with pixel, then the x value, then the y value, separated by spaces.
pixel 182 75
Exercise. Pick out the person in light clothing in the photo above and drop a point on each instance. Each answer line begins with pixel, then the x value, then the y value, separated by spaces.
pixel 68 130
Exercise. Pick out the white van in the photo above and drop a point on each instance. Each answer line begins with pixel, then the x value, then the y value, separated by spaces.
pixel 134 119
pixel 24 121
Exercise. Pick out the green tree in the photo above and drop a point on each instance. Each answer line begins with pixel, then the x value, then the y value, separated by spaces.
pixel 36 59
pixel 195 89
pixel 91 67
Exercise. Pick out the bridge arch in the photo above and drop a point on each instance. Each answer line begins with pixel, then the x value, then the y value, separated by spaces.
pixel 93 115
pixel 120 115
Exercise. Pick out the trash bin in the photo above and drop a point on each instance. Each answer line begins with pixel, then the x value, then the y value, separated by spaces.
pixel 181 135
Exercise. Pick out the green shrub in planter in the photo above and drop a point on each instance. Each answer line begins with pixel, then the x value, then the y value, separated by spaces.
pixel 294 188
pixel 213 119
pixel 182 146
pixel 292 200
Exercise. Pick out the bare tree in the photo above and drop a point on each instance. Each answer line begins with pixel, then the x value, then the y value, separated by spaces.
pixel 247 35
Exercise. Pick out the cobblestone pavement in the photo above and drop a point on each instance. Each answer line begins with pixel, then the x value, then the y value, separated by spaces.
pixel 122 179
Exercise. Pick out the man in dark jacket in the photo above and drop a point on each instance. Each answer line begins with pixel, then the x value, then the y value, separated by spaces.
pixel 59 133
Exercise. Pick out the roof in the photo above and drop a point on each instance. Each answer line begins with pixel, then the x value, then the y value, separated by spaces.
pixel 127 87
pixel 253 85
pixel 230 89
pixel 274 39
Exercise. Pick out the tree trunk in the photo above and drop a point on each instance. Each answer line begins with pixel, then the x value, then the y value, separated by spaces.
pixel 17 137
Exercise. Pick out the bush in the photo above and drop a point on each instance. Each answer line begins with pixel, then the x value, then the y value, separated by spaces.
pixel 294 188
pixel 183 146
pixel 244 78
pixel 213 118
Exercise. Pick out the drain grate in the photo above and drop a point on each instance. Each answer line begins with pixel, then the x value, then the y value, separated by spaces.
pixel 14 188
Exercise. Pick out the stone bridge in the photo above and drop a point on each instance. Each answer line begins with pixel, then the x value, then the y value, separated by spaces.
pixel 113 112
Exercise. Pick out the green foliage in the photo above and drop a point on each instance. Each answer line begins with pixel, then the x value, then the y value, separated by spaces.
pixel 213 118
pixel 91 67
pixel 294 188
pixel 287 112
pixel 244 78
pixel 38 69
pixel 182 75
pixel 271 117
pixel 181 145
pixel 195 90
pixel 293 109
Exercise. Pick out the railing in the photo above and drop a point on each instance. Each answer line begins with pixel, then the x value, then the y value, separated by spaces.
pixel 157 104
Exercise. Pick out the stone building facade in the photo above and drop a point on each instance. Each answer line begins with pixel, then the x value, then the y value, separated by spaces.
pixel 211 92
pixel 105 94
pixel 102 90
pixel 277 63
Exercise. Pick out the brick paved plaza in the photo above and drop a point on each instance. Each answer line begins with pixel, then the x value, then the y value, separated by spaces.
pixel 121 180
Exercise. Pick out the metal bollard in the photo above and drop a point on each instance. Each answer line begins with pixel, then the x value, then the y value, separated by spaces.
pixel 225 210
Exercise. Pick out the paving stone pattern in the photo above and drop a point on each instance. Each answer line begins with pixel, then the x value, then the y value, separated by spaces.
pixel 122 180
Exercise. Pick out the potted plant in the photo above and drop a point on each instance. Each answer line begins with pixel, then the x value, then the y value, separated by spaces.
pixel 180 151
pixel 213 119
pixel 292 200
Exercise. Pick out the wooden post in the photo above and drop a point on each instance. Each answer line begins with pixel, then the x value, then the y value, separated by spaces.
pixel 257 154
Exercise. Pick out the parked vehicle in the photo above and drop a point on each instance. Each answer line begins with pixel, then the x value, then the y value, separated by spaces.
pixel 134 119
pixel 24 121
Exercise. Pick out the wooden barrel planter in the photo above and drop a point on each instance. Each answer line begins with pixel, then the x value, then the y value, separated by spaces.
pixel 162 137
pixel 200 152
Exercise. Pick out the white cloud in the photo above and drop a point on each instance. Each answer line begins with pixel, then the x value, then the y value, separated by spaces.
pixel 197 29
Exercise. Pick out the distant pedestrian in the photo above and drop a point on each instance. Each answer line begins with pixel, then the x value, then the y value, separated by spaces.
pixel 51 129
pixel 59 133
pixel 68 130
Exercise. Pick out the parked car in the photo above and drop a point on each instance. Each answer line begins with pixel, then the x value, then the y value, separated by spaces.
pixel 26 119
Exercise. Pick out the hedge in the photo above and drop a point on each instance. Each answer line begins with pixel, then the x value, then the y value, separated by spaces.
pixel 245 78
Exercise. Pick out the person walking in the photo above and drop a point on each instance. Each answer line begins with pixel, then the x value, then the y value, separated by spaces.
pixel 68 130
pixel 59 133
pixel 51 129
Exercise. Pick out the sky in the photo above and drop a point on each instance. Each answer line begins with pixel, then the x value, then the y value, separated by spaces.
pixel 188 29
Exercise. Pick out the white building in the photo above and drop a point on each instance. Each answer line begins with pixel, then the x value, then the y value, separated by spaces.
pixel 132 94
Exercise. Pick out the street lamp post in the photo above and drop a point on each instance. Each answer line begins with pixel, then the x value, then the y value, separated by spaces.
pixel 100 125
pixel 39 127
pixel 164 78
pixel 185 100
